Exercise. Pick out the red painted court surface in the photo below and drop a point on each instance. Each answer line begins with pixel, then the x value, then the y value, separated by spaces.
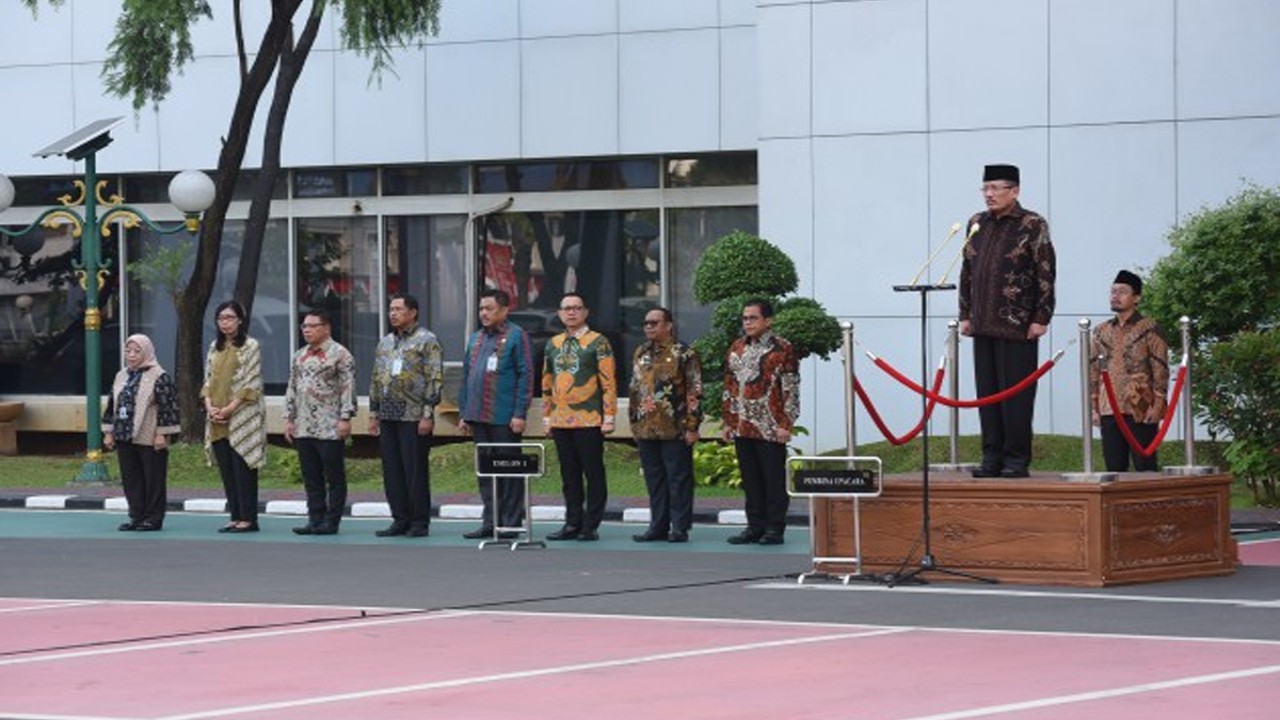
pixel 114 660
pixel 1260 552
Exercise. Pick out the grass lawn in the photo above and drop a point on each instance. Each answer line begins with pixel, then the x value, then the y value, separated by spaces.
pixel 452 466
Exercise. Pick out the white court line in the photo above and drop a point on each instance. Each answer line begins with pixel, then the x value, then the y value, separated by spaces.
pixel 526 674
pixel 203 604
pixel 21 716
pixel 1233 602
pixel 230 637
pixel 1102 694
pixel 50 605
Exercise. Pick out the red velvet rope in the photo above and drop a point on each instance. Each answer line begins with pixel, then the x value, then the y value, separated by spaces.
pixel 884 429
pixel 1005 394
pixel 1149 450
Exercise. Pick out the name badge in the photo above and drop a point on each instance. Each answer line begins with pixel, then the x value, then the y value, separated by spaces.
pixel 492 365
pixel 396 366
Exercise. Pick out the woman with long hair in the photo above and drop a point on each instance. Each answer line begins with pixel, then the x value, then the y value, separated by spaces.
pixel 235 429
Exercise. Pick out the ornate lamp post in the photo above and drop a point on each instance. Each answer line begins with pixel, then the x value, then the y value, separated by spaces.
pixel 90 216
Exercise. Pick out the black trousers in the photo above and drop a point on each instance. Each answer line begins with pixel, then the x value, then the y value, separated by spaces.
pixel 510 489
pixel 239 481
pixel 668 474
pixel 144 472
pixel 581 452
pixel 763 466
pixel 1006 426
pixel 324 474
pixel 406 476
pixel 1116 451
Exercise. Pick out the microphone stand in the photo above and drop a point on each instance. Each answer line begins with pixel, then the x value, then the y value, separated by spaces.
pixel 928 563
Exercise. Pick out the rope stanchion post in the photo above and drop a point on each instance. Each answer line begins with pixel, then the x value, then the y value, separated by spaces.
pixel 953 463
pixel 1086 412
pixel 1188 415
pixel 851 449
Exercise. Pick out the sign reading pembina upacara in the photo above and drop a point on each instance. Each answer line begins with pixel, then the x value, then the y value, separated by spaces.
pixel 835 482
pixel 502 461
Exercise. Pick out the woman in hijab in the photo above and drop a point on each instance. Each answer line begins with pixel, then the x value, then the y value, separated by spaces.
pixel 141 414
pixel 236 429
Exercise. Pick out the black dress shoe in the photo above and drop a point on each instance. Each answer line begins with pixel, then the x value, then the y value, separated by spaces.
pixel 986 472
pixel 393 530
pixel 325 529
pixel 227 528
pixel 745 537
pixel 420 531
pixel 251 527
pixel 678 536
pixel 1014 473
pixel 479 533
pixel 304 530
pixel 650 536
pixel 568 532
pixel 588 536
pixel 771 538
pixel 147 526
pixel 128 527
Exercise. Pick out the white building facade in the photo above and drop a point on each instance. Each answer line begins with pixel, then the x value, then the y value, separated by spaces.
pixel 628 134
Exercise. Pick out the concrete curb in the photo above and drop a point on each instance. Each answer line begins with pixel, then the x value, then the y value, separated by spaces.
pixel 295 508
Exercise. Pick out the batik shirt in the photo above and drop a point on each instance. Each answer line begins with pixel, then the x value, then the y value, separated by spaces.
pixel 1007 279
pixel 666 391
pixel 497 375
pixel 761 387
pixel 1137 359
pixel 408 371
pixel 322 391
pixel 579 380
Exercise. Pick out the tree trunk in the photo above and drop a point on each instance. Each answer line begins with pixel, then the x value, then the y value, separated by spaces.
pixel 189 372
pixel 292 61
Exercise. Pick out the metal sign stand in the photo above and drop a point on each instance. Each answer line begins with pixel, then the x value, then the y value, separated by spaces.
pixel 489 461
pixel 847 477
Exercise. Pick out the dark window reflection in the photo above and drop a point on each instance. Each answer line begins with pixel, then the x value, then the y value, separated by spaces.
pixel 247 181
pixel 609 256
pixel 47 191
pixel 42 347
pixel 713 170
pixel 337 271
pixel 425 180
pixel 576 175
pixel 335 183
pixel 690 231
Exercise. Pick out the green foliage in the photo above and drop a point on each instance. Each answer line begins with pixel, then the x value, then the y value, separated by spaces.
pixel 152 40
pixel 1224 271
pixel 1237 385
pixel 374 27
pixel 715 464
pixel 806 325
pixel 742 264
pixel 162 268
pixel 738 268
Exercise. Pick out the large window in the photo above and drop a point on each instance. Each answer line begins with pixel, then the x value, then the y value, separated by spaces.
pixel 690 231
pixel 609 256
pixel 338 272
pixel 151 309
pixel 42 347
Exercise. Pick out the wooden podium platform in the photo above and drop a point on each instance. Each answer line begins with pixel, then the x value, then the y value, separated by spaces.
pixel 1043 530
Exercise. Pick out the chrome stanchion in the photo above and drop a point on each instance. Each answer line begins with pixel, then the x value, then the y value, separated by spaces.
pixel 1188 414
pixel 1086 412
pixel 953 413
pixel 848 477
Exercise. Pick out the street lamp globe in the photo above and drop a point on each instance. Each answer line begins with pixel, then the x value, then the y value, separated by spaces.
pixel 191 191
pixel 6 192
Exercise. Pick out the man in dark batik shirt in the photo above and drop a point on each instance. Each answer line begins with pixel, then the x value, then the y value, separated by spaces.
pixel 1006 303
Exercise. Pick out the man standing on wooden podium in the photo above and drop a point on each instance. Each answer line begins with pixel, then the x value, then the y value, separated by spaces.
pixel 1006 303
